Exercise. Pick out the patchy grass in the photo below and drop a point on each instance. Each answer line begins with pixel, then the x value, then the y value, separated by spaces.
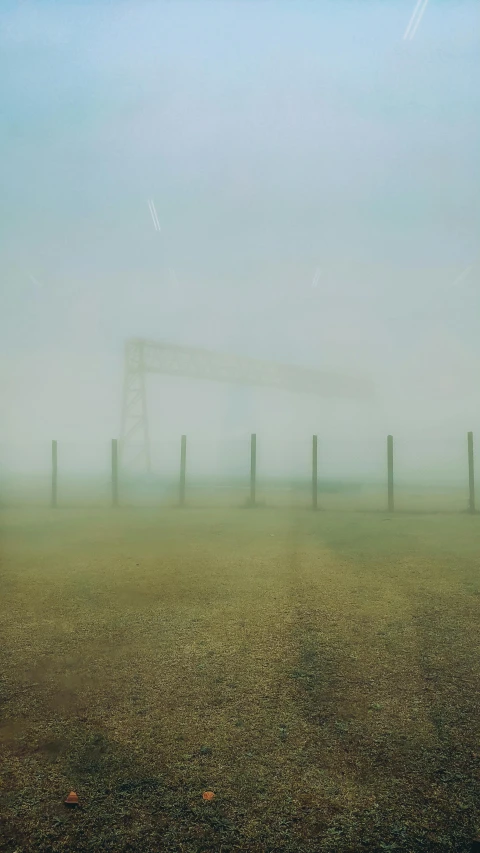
pixel 318 672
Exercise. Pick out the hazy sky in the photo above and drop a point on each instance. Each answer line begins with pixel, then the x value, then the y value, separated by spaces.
pixel 275 138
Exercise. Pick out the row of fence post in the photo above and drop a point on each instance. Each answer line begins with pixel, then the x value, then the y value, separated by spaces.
pixel 253 472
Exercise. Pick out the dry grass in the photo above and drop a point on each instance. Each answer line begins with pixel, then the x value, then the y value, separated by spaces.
pixel 318 672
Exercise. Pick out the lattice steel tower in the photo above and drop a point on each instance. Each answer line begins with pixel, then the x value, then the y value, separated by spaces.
pixel 143 356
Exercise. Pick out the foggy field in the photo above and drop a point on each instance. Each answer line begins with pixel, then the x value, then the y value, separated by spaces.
pixel 239 277
pixel 335 495
pixel 318 672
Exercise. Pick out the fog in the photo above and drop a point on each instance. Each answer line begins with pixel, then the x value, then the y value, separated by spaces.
pixel 316 181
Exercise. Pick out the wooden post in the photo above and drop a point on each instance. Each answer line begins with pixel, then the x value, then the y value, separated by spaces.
pixel 54 473
pixel 390 471
pixel 314 474
pixel 114 472
pixel 183 460
pixel 471 475
pixel 253 467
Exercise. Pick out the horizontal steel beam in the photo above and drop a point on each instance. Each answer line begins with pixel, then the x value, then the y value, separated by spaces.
pixel 196 363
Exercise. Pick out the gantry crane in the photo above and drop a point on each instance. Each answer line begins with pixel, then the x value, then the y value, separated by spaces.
pixel 144 356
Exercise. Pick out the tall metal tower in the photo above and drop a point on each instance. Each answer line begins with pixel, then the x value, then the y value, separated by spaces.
pixel 142 357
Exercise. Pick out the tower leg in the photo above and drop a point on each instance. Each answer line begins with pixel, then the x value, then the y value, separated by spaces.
pixel 134 436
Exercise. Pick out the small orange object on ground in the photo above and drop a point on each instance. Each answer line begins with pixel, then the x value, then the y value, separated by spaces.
pixel 72 799
pixel 208 795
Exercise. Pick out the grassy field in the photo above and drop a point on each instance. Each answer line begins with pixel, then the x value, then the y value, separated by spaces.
pixel 319 672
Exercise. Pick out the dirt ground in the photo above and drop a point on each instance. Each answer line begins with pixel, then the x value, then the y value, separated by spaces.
pixel 319 672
